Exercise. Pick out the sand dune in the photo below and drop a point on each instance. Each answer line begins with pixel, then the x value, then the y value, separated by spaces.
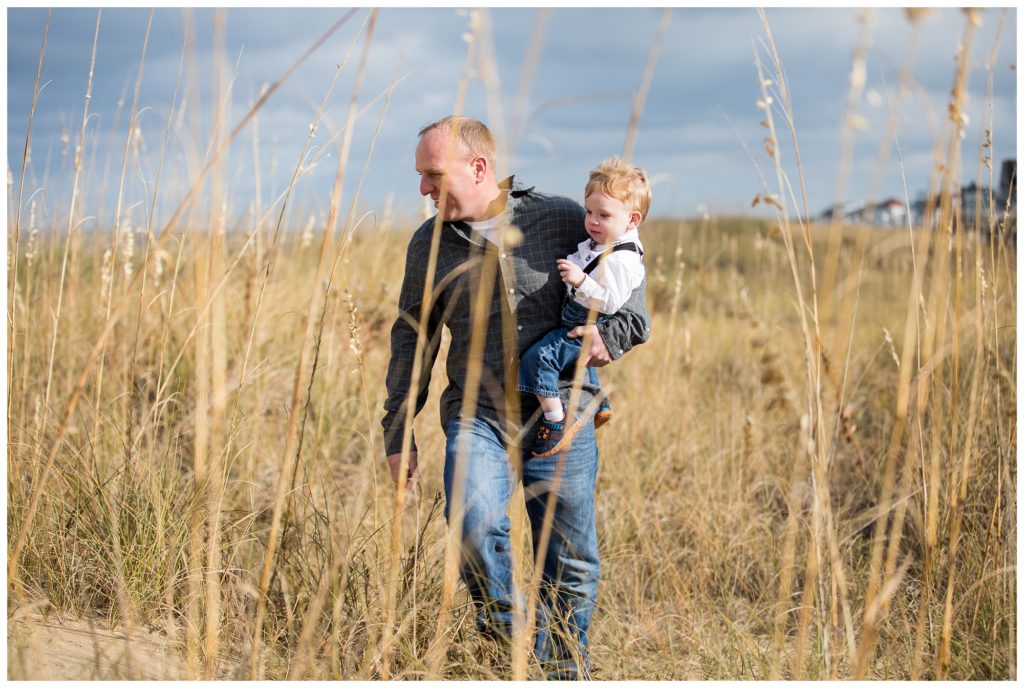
pixel 51 648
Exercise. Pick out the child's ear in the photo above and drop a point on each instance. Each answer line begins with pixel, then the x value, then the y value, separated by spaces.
pixel 635 219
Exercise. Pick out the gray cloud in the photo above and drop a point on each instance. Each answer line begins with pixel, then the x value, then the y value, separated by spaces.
pixel 699 113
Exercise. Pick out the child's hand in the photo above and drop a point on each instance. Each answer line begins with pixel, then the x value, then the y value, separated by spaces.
pixel 570 272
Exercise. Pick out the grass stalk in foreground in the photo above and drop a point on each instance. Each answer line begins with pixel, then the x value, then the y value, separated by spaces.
pixel 816 437
pixel 13 281
pixel 436 650
pixel 289 456
pixel 311 620
pixel 43 471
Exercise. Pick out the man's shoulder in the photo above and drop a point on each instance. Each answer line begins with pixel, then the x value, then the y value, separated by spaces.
pixel 424 232
pixel 541 198
pixel 537 204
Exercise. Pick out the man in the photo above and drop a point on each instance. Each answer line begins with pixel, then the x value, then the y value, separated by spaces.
pixel 501 240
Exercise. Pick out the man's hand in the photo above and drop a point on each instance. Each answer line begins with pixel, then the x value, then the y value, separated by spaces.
pixel 395 464
pixel 570 273
pixel 596 354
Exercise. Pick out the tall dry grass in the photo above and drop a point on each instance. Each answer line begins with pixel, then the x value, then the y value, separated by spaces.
pixel 811 474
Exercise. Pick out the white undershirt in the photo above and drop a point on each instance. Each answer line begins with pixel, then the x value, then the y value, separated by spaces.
pixel 489 229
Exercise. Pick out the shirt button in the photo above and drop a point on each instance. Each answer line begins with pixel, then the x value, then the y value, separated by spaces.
pixel 504 255
pixel 520 328
pixel 511 291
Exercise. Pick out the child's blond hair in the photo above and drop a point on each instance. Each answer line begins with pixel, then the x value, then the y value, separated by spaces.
pixel 617 178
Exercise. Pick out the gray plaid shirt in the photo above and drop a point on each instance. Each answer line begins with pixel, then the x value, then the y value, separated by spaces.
pixel 527 296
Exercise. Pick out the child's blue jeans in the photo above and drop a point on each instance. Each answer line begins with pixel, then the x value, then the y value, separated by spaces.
pixel 555 354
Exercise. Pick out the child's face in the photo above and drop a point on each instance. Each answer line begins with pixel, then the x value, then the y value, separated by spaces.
pixel 608 218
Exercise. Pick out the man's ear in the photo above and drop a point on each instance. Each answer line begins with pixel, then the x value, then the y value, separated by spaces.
pixel 479 168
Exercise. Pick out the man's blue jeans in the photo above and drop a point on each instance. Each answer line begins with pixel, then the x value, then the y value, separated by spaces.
pixel 571 568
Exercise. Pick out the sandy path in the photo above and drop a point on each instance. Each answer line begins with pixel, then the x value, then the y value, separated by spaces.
pixel 51 648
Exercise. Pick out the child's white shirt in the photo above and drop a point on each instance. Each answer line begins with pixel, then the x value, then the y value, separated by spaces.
pixel 609 285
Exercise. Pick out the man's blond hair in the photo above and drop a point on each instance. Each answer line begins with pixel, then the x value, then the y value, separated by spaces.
pixel 473 134
pixel 617 178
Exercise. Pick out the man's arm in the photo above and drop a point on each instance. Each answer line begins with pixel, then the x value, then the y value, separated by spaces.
pixel 626 328
pixel 403 355
pixel 395 466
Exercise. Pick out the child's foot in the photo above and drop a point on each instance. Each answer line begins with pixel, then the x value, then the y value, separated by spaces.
pixel 552 438
pixel 604 413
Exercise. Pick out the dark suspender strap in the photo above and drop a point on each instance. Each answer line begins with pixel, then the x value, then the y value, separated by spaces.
pixel 628 246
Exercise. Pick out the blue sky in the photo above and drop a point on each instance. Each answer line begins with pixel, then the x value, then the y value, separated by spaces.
pixel 700 117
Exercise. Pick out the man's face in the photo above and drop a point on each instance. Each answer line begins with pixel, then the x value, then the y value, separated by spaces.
pixel 438 162
pixel 608 218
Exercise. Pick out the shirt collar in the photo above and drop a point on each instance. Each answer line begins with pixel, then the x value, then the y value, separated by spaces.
pixel 516 191
pixel 515 187
pixel 632 235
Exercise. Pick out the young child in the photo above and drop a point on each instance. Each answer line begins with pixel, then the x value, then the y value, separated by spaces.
pixel 600 275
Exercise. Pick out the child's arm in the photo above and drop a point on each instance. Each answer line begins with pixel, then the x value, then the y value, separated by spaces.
pixel 570 272
pixel 619 332
pixel 608 287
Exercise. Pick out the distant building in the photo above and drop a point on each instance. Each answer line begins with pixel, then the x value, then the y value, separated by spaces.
pixel 1006 198
pixel 974 202
pixel 1007 177
pixel 892 212
pixel 984 206
pixel 917 210
pixel 889 213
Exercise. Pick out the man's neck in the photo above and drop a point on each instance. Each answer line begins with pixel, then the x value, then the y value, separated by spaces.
pixel 494 208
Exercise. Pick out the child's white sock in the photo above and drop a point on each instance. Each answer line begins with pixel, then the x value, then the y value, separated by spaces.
pixel 554 416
